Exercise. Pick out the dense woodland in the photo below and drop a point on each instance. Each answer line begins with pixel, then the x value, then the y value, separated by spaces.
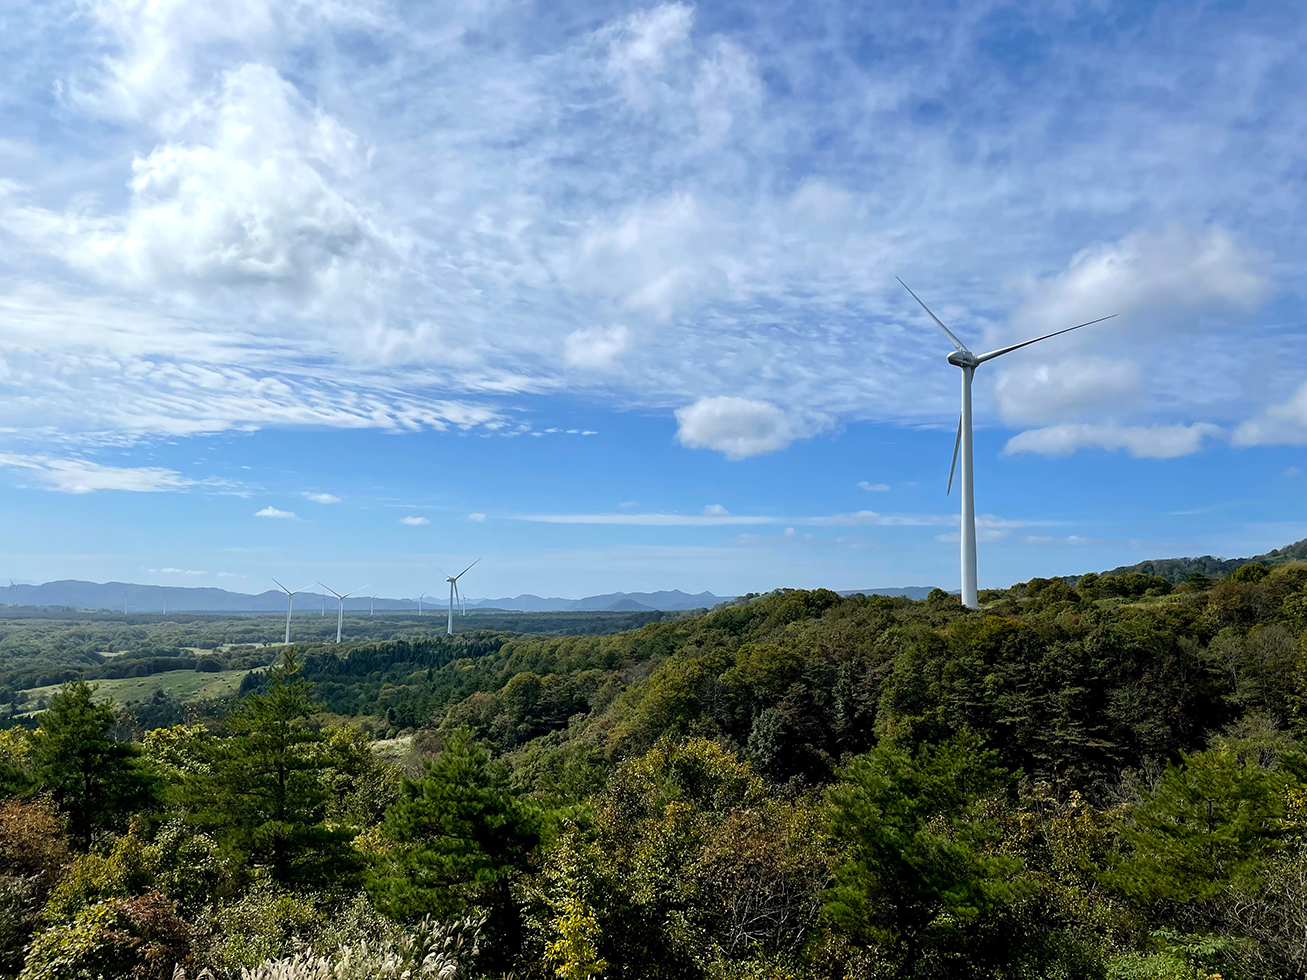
pixel 1096 781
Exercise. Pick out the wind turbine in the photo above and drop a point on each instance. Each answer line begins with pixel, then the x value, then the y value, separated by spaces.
pixel 420 598
pixel 968 362
pixel 340 616
pixel 372 604
pixel 290 598
pixel 453 594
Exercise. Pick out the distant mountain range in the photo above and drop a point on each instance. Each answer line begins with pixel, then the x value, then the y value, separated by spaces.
pixel 160 598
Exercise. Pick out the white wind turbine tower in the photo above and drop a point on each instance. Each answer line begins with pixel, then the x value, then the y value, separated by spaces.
pixel 340 615
pixel 290 598
pixel 454 594
pixel 968 362
pixel 420 598
pixel 372 604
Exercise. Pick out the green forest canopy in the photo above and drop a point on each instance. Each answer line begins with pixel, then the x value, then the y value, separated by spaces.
pixel 1098 781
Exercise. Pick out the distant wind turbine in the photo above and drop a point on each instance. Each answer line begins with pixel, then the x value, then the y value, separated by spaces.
pixel 340 616
pixel 372 604
pixel 290 598
pixel 420 598
pixel 968 362
pixel 124 603
pixel 454 594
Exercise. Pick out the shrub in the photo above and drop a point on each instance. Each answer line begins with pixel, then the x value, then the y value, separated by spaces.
pixel 139 938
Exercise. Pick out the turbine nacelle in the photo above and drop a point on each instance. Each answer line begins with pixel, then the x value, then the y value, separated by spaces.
pixel 964 359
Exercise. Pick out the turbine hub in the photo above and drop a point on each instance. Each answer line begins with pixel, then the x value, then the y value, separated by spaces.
pixel 963 359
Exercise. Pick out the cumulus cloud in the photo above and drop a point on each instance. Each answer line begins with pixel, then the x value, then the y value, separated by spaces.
pixel 1162 286
pixel 323 498
pixel 476 516
pixel 597 348
pixel 741 427
pixel 414 521
pixel 715 510
pixel 271 511
pixel 873 487
pixel 1140 441
pixel 85 476
pixel 246 203
pixel 1283 424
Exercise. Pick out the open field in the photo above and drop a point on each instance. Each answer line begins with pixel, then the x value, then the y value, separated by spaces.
pixel 185 685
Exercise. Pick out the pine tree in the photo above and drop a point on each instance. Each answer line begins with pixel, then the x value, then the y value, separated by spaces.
pixel 922 855
pixel 460 832
pixel 1211 823
pixel 94 779
pixel 264 794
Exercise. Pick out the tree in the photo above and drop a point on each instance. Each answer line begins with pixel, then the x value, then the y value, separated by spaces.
pixel 460 834
pixel 94 779
pixel 263 794
pixel 922 861
pixel 1211 823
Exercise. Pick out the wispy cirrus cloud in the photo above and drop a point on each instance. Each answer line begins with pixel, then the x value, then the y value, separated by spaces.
pixel 86 476
pixel 714 518
pixel 643 206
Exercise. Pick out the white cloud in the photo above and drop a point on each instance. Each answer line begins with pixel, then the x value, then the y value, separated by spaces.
pixel 597 348
pixel 1162 286
pixel 262 242
pixel 1283 424
pixel 248 203
pixel 715 510
pixel 726 87
pixel 641 46
pixel 322 498
pixel 414 521
pixel 1140 441
pixel 740 427
pixel 857 518
pixel 274 512
pixel 84 476
pixel 1041 391
pixel 476 516
pixel 873 487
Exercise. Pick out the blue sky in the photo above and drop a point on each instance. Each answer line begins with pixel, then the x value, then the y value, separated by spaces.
pixel 605 292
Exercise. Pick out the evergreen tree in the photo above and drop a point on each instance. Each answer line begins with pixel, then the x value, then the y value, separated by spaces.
pixel 94 779
pixel 264 793
pixel 922 858
pixel 1211 823
pixel 460 834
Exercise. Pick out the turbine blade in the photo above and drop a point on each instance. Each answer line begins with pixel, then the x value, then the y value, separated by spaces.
pixel 956 343
pixel 954 465
pixel 282 587
pixel 1026 343
pixel 464 571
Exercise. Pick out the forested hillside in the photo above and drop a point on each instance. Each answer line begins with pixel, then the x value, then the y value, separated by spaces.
pixel 1099 781
pixel 1179 569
